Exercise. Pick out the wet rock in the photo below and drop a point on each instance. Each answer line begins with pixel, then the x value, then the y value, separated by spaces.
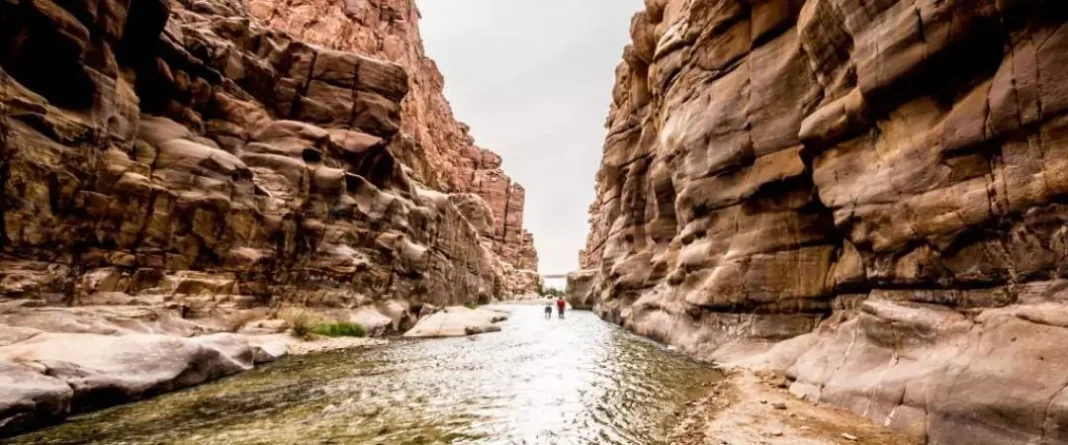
pixel 458 321
pixel 48 376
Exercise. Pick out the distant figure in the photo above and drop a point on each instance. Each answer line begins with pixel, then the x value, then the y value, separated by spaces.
pixel 560 305
pixel 548 308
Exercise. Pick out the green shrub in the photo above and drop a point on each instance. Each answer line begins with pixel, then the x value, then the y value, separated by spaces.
pixel 340 329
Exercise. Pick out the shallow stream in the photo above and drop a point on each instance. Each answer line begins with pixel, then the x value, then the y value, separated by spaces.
pixel 573 381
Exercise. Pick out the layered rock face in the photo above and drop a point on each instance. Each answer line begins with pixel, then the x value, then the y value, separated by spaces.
pixel 438 148
pixel 211 154
pixel 880 183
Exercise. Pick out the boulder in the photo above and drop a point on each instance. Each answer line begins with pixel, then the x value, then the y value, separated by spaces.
pixel 458 321
pixel 579 290
pixel 48 376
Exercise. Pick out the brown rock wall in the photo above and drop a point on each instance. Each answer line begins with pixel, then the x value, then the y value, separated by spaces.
pixel 876 183
pixel 442 154
pixel 182 153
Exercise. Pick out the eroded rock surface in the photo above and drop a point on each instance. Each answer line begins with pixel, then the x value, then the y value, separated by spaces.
pixel 880 184
pixel 45 377
pixel 579 289
pixel 212 161
pixel 440 150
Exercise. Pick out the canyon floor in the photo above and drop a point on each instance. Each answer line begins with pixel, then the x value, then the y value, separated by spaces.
pixel 749 408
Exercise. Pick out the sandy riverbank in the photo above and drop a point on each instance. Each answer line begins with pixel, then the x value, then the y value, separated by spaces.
pixel 298 346
pixel 750 408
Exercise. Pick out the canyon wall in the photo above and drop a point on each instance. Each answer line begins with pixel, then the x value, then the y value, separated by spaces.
pixel 868 195
pixel 438 148
pixel 189 148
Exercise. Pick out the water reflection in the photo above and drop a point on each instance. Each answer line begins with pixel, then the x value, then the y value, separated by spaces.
pixel 572 381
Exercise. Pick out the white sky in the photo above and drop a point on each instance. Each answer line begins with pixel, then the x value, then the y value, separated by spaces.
pixel 534 79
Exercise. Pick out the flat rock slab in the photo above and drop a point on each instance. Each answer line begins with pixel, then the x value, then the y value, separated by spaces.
pixel 46 377
pixel 458 321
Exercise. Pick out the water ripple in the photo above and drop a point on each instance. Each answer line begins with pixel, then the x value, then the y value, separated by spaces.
pixel 559 382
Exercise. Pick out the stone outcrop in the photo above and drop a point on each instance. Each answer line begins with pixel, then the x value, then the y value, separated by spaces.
pixel 458 321
pixel 45 377
pixel 579 289
pixel 871 194
pixel 438 148
pixel 174 169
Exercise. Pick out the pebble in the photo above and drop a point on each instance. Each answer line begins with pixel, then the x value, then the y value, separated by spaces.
pixel 779 405
pixel 848 436
pixel 301 347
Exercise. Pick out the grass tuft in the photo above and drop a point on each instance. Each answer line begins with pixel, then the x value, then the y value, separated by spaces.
pixel 340 329
pixel 305 325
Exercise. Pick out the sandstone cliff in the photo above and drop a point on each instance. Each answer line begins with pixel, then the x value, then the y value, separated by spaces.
pixel 174 169
pixel 440 151
pixel 881 184
pixel 143 154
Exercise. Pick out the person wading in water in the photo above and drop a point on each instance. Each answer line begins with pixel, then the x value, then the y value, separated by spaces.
pixel 548 308
pixel 560 304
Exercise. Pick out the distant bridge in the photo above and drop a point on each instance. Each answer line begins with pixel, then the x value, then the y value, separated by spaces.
pixel 558 276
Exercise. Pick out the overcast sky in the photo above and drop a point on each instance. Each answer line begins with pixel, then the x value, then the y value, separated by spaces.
pixel 534 80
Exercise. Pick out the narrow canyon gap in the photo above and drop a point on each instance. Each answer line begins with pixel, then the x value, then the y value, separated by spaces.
pixel 868 196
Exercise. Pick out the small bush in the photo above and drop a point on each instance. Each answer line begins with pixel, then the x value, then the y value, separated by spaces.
pixel 340 330
pixel 471 305
pixel 305 325
pixel 302 323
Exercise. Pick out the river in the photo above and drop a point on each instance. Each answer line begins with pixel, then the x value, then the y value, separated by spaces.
pixel 573 381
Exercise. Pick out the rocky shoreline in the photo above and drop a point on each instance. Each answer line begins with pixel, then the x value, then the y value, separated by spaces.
pixel 47 376
pixel 749 407
pixel 330 344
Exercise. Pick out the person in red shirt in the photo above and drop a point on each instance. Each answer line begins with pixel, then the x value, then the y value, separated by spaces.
pixel 560 305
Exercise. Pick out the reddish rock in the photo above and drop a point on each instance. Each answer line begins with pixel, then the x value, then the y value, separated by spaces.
pixel 447 158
